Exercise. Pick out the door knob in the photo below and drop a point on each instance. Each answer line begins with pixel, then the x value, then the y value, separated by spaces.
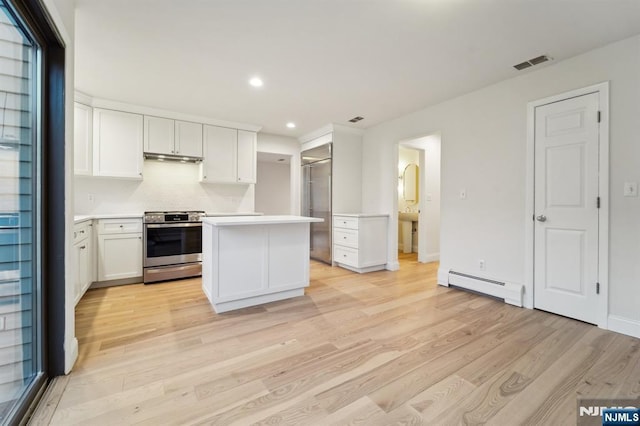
pixel 541 218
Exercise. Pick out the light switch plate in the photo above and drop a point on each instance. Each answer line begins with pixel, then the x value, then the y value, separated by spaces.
pixel 631 189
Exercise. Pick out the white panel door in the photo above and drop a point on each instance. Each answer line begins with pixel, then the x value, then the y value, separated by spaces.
pixel 188 139
pixel 566 211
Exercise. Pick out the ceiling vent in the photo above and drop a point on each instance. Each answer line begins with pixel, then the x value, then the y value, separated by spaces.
pixel 531 62
pixel 356 119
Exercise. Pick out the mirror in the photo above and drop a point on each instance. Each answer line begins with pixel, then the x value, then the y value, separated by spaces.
pixel 410 183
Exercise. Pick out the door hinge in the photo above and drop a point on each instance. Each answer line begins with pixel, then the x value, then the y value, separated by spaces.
pixel 598 202
pixel 599 116
pixel 597 288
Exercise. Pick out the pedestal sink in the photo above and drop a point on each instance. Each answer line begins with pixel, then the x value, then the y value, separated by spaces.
pixel 407 219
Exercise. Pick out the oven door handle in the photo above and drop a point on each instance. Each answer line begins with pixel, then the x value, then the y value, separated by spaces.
pixel 173 225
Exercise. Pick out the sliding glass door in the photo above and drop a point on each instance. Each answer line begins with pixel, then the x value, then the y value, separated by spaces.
pixel 21 342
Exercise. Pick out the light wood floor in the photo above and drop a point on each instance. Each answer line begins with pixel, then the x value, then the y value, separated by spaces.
pixel 374 349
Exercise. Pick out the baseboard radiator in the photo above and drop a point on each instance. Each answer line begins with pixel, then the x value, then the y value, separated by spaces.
pixel 511 293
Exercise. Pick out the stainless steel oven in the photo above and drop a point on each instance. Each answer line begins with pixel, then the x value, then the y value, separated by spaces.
pixel 172 245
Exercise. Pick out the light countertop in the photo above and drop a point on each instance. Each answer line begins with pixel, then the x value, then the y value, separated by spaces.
pixel 222 214
pixel 82 218
pixel 361 214
pixel 258 220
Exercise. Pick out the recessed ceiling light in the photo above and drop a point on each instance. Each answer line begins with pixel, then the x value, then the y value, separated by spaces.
pixel 291 125
pixel 256 82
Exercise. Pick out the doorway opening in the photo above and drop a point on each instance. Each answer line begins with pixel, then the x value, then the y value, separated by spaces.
pixel 417 202
pixel 273 185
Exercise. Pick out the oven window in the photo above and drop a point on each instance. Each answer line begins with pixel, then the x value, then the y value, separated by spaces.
pixel 174 241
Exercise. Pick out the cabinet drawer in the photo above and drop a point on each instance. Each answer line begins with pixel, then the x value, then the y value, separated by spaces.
pixel 345 255
pixel 119 226
pixel 346 237
pixel 81 232
pixel 345 222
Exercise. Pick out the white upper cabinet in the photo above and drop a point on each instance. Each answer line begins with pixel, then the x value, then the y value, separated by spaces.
pixel 247 156
pixel 118 140
pixel 229 155
pixel 83 140
pixel 172 137
pixel 220 155
pixel 188 139
pixel 159 135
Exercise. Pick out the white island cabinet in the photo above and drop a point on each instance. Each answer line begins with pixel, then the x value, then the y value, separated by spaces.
pixel 251 260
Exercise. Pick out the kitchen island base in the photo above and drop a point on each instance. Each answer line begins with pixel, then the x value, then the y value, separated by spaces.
pixel 249 261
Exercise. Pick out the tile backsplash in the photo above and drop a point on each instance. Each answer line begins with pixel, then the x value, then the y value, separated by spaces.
pixel 166 186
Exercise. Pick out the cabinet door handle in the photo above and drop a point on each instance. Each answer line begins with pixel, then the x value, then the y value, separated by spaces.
pixel 83 247
pixel 82 231
pixel 139 238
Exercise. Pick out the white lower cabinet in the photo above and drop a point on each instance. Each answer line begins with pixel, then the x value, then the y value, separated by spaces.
pixel 360 242
pixel 83 258
pixel 119 249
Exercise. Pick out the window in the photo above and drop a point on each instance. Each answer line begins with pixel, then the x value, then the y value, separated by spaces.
pixel 30 281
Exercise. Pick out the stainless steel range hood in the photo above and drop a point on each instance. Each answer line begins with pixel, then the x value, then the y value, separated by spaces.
pixel 172 158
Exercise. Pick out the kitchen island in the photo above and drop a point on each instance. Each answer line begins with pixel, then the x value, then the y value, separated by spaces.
pixel 248 261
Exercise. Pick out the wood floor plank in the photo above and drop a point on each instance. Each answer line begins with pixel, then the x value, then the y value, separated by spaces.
pixel 388 347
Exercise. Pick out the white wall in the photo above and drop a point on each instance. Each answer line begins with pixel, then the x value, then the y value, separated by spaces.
pixel 273 188
pixel 430 195
pixel 276 144
pixel 483 151
pixel 166 186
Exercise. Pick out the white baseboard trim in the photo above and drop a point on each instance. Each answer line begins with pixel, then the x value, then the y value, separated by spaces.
pixel 624 325
pixel 393 266
pixel 432 257
pixel 443 276
pixel 70 355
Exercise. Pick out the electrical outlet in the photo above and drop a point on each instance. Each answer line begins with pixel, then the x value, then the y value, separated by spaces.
pixel 3 323
pixel 463 194
pixel 91 198
pixel 481 264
